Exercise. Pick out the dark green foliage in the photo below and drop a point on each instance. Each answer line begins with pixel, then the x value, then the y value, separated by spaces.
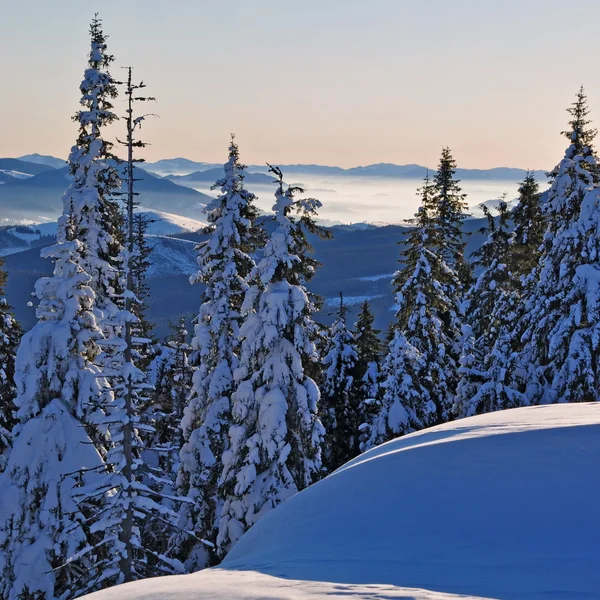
pixel 339 409
pixel 428 298
pixel 529 228
pixel 298 272
pixel 10 336
pixel 447 208
pixel 368 342
pixel 139 265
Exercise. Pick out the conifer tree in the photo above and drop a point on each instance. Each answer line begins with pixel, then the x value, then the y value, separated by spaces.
pixel 94 217
pixel 59 389
pixel 140 263
pixel 420 370
pixel 340 404
pixel 276 436
pixel 224 267
pixel 368 369
pixel 489 308
pixel 368 349
pixel 529 227
pixel 559 330
pixel 10 336
pixel 134 502
pixel 59 527
pixel 447 208
pixel 171 378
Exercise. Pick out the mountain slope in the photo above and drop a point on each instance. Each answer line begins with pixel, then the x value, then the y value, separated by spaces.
pixel 23 166
pixel 44 159
pixel 185 167
pixel 495 506
pixel 177 166
pixel 39 197
pixel 357 262
pixel 211 175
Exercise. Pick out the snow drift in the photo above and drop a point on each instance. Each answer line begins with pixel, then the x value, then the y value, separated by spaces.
pixel 503 505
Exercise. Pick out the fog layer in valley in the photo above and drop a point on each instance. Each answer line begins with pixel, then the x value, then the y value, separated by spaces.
pixel 375 200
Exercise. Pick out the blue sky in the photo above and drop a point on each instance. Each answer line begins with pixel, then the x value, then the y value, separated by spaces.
pixel 342 82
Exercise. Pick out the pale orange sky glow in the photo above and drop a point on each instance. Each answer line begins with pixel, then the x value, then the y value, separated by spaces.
pixel 338 82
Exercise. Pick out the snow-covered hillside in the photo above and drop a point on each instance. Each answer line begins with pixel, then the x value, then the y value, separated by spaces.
pixel 502 505
pixel 162 223
pixel 171 256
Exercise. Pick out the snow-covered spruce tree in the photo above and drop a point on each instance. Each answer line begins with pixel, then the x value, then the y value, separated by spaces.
pixel 58 390
pixel 171 378
pixel 419 374
pixel 276 438
pixel 10 336
pixel 58 386
pixel 368 349
pixel 140 263
pixel 94 216
pixel 224 266
pixel 560 327
pixel 489 310
pixel 134 501
pixel 447 207
pixel 339 408
pixel 529 227
pixel 368 376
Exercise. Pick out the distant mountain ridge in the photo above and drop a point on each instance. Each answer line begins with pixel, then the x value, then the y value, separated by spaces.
pixel 177 166
pixel 44 159
pixel 38 198
pixel 184 167
pixel 212 175
pixel 23 166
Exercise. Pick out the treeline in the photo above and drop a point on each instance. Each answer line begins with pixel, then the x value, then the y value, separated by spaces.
pixel 126 458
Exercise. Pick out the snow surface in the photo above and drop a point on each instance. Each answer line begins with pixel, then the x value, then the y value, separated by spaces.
pixel 161 223
pixel 26 237
pixel 502 505
pixel 351 300
pixel 171 256
pixel 377 277
pixel 16 174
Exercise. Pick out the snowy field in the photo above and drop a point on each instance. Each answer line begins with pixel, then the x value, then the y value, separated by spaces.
pixel 375 199
pixel 502 505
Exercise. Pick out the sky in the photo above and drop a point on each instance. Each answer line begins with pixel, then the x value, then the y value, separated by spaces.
pixel 336 82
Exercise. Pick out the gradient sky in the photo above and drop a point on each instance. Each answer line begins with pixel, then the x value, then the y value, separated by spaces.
pixel 339 82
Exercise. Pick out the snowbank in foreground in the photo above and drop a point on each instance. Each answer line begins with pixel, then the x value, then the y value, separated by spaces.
pixel 496 506
pixel 219 584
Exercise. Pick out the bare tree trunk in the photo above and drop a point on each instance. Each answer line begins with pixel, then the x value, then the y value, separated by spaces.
pixel 127 524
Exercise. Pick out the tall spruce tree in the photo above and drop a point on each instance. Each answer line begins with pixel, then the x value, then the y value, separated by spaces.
pixel 133 503
pixel 140 263
pixel 60 393
pixel 276 436
pixel 559 330
pixel 368 349
pixel 420 370
pixel 10 336
pixel 489 310
pixel 224 266
pixel 447 207
pixel 45 534
pixel 529 227
pixel 94 217
pixel 339 409
pixel 368 369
